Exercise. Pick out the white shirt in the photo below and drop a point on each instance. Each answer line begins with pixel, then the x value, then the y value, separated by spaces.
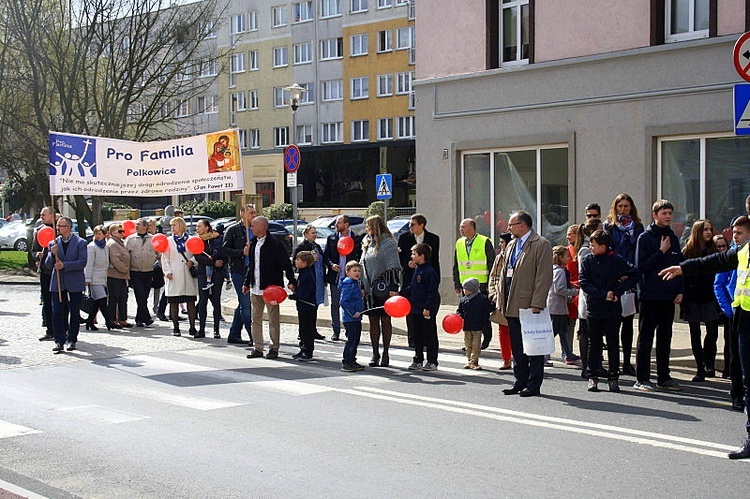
pixel 419 238
pixel 256 271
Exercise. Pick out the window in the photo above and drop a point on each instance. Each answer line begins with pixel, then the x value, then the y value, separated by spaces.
pixel 385 85
pixel 239 101
pixel 514 32
pixel 237 63
pixel 303 53
pixel 238 24
pixel 403 84
pixel 266 191
pixel 332 48
pixel 252 21
pixel 304 134
pixel 303 11
pixel 184 73
pixel 254 101
pixel 385 41
pixel 331 132
pixel 183 108
pixel 208 68
pixel 278 16
pixel 281 136
pixel 254 138
pixel 359 44
pixel 330 8
pixel 307 97
pixel 360 131
pixel 208 104
pixel 332 90
pixel 254 60
pixel 280 56
pixel 402 2
pixel 359 6
pixel 280 97
pixel 404 37
pixel 243 139
pixel 712 183
pixel 385 128
pixel 360 87
pixel 534 179
pixel 405 127
pixel 384 4
pixel 208 29
pixel 686 19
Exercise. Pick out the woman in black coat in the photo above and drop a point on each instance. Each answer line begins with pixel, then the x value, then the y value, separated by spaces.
pixel 211 261
pixel 309 244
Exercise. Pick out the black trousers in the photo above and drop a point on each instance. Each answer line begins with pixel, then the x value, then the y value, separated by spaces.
pixel 307 322
pixel 599 328
pixel 425 336
pixel 528 370
pixel 45 280
pixel 141 284
pixel 656 316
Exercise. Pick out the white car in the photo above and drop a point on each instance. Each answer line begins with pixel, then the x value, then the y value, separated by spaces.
pixel 13 236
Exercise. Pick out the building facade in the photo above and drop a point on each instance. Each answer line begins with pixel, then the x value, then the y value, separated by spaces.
pixel 547 106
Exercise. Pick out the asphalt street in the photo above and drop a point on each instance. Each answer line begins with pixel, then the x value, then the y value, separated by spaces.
pixel 143 414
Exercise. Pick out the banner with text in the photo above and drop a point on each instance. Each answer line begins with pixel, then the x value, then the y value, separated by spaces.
pixel 79 164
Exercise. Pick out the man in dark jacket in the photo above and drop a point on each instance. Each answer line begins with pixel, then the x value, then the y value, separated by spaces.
pixel 657 248
pixel 45 275
pixel 336 264
pixel 268 265
pixel 236 246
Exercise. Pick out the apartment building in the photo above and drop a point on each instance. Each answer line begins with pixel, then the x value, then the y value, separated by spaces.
pixel 549 105
pixel 355 59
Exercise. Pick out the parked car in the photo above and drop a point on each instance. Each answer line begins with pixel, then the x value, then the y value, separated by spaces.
pixel 13 236
pixel 192 222
pixel 398 225
pixel 276 230
pixel 356 223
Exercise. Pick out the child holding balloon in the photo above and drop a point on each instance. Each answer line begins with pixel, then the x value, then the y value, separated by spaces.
pixel 307 306
pixel 475 309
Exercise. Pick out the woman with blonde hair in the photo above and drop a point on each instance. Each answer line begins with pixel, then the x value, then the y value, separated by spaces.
pixel 381 279
pixel 181 286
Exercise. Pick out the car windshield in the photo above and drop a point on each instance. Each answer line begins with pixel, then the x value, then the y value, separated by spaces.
pixel 12 226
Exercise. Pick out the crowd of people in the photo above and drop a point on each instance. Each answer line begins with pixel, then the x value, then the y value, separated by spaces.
pixel 611 269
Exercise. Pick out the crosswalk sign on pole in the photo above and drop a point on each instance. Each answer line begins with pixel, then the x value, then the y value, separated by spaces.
pixel 384 186
pixel 742 109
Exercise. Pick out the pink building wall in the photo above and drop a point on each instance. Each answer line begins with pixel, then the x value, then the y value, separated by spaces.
pixel 731 17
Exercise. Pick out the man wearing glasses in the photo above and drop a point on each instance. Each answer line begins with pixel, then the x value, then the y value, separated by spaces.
pixel 67 260
pixel 142 258
pixel 237 246
pixel 593 210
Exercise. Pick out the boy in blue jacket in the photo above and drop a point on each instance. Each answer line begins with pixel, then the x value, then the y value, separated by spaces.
pixel 307 308
pixel 425 300
pixel 352 306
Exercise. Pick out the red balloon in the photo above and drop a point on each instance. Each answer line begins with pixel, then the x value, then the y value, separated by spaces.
pixel 345 245
pixel 453 323
pixel 44 236
pixel 129 227
pixel 160 243
pixel 195 245
pixel 274 294
pixel 397 306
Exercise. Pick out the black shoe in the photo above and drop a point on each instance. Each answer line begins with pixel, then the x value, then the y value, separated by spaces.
pixel 741 453
pixel 162 318
pixel 335 337
pixel 90 327
pixel 738 404
pixel 485 345
pixel 216 335
pixel 194 332
pixel 628 370
pixel 235 341
pixel 149 322
pixel 514 390
pixel 297 355
pixel 72 347
pixel 272 354
pixel 614 386
pixel 47 337
pixel 529 393
pixel 199 334
pixel 319 336
pixel 113 325
pixel 699 378
pixel 176 333
pixel 137 324
pixel 710 373
pixel 593 385
pixel 374 361
pixel 304 356
pixel 255 354
pixel 59 347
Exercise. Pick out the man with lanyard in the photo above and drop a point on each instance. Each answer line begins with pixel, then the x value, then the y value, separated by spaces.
pixel 237 247
pixel 45 275
pixel 736 258
pixel 475 255
pixel 336 265
pixel 142 258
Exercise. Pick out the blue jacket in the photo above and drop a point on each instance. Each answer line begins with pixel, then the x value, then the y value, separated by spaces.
pixel 624 243
pixel 650 261
pixel 601 274
pixel 724 284
pixel 305 290
pixel 71 277
pixel 475 311
pixel 423 291
pixel 351 299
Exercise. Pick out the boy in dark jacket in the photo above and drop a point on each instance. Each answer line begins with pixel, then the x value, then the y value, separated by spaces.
pixel 425 300
pixel 352 306
pixel 307 308
pixel 604 277
pixel 657 248
pixel 475 309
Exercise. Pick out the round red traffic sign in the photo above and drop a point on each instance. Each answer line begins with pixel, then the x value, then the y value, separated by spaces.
pixel 292 158
pixel 741 56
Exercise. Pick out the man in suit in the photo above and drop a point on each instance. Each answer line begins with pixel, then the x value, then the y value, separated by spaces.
pixel 268 265
pixel 406 241
pixel 336 264
pixel 526 278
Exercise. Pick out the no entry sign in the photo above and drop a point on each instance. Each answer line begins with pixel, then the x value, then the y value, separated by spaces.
pixel 741 56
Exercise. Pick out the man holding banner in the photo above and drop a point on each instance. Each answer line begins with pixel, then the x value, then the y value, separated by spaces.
pixel 237 246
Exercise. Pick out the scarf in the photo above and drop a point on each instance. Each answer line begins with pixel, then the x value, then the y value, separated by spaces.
pixel 384 260
pixel 626 223
pixel 101 243
pixel 180 242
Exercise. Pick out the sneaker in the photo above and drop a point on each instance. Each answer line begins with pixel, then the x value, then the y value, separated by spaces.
pixel 593 385
pixel 297 355
pixel 47 337
pixel 741 453
pixel 415 366
pixel 430 366
pixel 614 386
pixel 698 378
pixel 208 286
pixel 358 366
pixel 569 361
pixel 670 385
pixel 72 346
pixel 255 354
pixel 272 354
pixel 548 363
pixel 573 357
pixel 59 347
pixel 348 368
pixel 304 356
pixel 644 386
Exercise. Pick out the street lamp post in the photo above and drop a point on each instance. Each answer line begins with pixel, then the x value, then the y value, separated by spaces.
pixel 295 92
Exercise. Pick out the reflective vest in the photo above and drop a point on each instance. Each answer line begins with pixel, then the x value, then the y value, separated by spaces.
pixel 742 291
pixel 474 264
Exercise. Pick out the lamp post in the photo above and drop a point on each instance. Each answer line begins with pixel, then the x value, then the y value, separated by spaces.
pixel 295 92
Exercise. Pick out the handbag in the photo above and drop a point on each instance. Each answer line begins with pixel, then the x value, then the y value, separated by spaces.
pixel 381 289
pixel 627 300
pixel 88 304
pixel 536 332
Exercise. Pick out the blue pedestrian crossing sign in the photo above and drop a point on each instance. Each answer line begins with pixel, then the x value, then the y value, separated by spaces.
pixel 384 186
pixel 742 109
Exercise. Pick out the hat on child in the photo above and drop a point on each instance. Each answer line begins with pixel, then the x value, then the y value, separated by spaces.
pixel 471 285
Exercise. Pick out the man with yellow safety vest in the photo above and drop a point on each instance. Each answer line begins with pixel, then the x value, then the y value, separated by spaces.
pixel 736 258
pixel 475 255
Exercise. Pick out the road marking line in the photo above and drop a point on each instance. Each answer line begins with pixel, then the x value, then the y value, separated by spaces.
pixel 13 430
pixel 97 414
pixel 292 387
pixel 189 401
pixel 592 429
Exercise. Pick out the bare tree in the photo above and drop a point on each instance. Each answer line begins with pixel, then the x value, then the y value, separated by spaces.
pixel 111 68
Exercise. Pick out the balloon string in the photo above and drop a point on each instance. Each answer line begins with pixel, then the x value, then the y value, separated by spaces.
pixel 373 308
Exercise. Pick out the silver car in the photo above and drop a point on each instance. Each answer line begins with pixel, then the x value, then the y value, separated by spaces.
pixel 13 236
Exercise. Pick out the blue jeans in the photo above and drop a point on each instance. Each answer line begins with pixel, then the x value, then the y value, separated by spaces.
pixel 353 333
pixel 66 316
pixel 335 310
pixel 242 314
